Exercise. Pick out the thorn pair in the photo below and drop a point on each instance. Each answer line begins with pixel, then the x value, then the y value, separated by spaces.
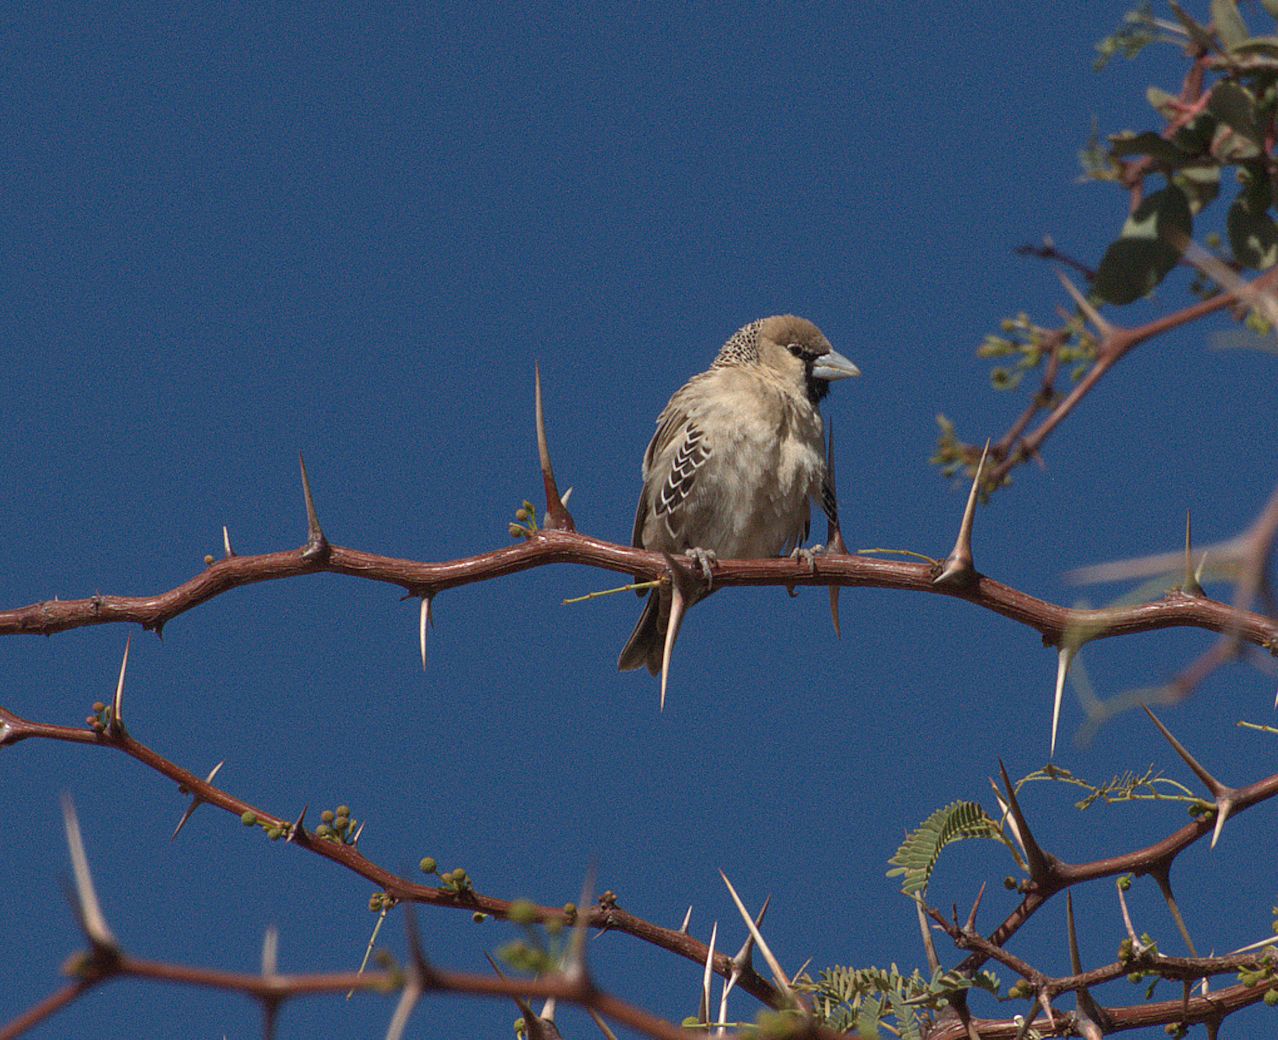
pixel 1224 796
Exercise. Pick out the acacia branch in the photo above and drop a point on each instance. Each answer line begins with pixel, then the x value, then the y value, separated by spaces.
pixel 1115 344
pixel 274 989
pixel 1053 622
pixel 605 914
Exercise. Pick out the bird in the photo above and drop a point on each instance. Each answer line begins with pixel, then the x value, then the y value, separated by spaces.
pixel 738 453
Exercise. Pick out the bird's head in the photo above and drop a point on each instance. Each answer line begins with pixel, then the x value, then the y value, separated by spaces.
pixel 797 351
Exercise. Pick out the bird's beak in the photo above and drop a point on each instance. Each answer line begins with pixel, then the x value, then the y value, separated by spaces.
pixel 834 366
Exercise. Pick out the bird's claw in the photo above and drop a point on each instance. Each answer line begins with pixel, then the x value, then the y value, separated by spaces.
pixel 807 556
pixel 706 560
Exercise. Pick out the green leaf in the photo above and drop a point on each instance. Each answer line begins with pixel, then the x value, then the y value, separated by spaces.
pixel 1234 105
pixel 1229 146
pixel 918 854
pixel 867 1019
pixel 1253 236
pixel 1196 136
pixel 1147 143
pixel 1148 247
pixel 1162 101
pixel 1198 33
pixel 1201 185
pixel 1258 52
pixel 1230 26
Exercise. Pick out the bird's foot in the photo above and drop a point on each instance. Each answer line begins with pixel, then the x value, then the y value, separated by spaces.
pixel 808 556
pixel 706 560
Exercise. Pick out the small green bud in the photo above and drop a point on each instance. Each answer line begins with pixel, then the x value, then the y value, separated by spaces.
pixel 516 531
pixel 343 810
pixel 99 706
pixel 479 917
pixel 1136 977
pixel 1125 882
pixel 523 911
pixel 323 830
pixel 1271 998
pixel 208 560
pixel 249 818
pixel 521 514
pixel 327 816
pixel 274 833
pixel 428 865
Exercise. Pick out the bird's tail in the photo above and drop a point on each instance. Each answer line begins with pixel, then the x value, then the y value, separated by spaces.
pixel 648 639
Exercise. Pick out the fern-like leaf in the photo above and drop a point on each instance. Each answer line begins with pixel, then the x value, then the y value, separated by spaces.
pixel 917 856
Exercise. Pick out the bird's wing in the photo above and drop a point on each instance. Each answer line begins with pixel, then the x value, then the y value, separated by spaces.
pixel 691 455
pixel 675 455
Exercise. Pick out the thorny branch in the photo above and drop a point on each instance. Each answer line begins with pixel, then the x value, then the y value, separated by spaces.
pixel 275 989
pixel 559 542
pixel 605 915
pixel 1114 344
pixel 1175 610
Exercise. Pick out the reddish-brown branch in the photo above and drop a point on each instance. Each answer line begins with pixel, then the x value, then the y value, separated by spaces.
pixel 1116 343
pixel 1148 860
pixel 1180 968
pixel 14 728
pixel 51 1004
pixel 1121 1019
pixel 1175 610
pixel 275 988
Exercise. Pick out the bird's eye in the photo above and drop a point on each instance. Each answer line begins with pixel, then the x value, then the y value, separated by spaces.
pixel 796 350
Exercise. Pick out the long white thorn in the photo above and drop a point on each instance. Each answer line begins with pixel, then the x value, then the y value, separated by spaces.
pixel 91 915
pixel 117 704
pixel 1063 660
pixel 271 951
pixel 672 633
pixel 1222 814
pixel 704 1011
pixel 778 972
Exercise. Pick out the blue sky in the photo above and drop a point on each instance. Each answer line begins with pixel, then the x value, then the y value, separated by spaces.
pixel 233 233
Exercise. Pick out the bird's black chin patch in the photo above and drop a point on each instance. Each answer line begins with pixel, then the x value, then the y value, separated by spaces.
pixel 817 388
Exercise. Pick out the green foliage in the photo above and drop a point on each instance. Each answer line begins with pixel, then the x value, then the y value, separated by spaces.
pixel 917 856
pixel 1216 131
pixel 1230 125
pixel 1024 345
pixel 1125 787
pixel 1137 32
pixel 1149 246
pixel 541 948
pixel 862 998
